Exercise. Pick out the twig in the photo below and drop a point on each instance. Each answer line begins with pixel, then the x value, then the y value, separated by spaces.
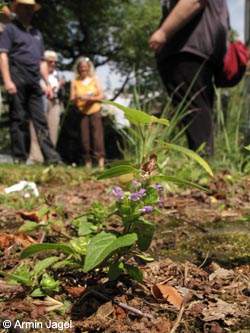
pixel 42 237
pixel 122 305
pixel 204 261
pixel 180 314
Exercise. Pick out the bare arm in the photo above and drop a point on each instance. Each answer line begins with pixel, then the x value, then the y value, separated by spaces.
pixel 72 94
pixel 5 70
pixel 182 13
pixel 44 70
pixel 45 75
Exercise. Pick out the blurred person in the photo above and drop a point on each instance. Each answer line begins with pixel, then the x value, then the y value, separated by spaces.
pixel 190 44
pixel 85 94
pixel 53 108
pixel 22 65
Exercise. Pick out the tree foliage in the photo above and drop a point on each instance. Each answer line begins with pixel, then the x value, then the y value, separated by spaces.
pixel 111 31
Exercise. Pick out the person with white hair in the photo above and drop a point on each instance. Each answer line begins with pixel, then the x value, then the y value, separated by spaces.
pixel 53 108
pixel 22 65
pixel 85 95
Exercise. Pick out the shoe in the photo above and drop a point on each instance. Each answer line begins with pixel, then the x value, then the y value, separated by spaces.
pixel 30 162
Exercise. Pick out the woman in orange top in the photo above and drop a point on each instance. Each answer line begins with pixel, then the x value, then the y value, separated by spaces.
pixel 85 93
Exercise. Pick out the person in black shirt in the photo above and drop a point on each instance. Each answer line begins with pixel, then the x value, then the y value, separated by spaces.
pixel 22 65
pixel 190 44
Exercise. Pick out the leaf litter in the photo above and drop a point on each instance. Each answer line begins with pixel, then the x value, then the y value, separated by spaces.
pixel 206 294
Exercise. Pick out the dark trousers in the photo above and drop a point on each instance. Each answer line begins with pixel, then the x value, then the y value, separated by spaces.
pixel 189 76
pixel 92 135
pixel 28 99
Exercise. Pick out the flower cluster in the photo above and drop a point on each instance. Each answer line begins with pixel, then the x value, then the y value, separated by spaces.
pixel 139 200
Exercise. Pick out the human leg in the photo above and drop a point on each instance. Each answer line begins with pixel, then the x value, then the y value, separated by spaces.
pixel 98 137
pixel 40 124
pixel 17 105
pixel 53 117
pixel 35 151
pixel 188 77
pixel 85 139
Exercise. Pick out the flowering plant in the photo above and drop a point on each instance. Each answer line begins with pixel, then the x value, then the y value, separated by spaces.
pixel 100 246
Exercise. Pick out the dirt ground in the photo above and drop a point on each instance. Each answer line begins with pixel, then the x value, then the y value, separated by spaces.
pixel 198 282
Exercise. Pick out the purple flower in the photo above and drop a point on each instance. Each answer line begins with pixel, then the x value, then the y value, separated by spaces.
pixel 161 202
pixel 118 192
pixel 146 209
pixel 135 183
pixel 142 192
pixel 158 187
pixel 136 196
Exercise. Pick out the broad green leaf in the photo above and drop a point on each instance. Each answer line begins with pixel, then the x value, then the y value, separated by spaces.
pixel 29 226
pixel 137 117
pixel 103 245
pixel 44 210
pixel 43 264
pixel 86 228
pixel 117 171
pixel 163 178
pixel 33 249
pixel 134 272
pixel 145 232
pixel 115 270
pixel 190 154
pixel 21 279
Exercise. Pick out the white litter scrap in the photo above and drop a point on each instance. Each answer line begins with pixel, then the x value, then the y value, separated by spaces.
pixel 27 188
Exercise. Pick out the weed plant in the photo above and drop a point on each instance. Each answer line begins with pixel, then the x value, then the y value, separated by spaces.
pixel 94 243
pixel 138 142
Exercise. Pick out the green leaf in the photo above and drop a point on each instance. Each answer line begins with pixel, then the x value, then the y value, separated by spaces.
pixel 134 272
pixel 115 270
pixel 86 228
pixel 38 292
pixel 144 258
pixel 117 171
pixel 103 245
pixel 145 232
pixel 21 279
pixel 163 178
pixel 29 226
pixel 43 264
pixel 43 211
pixel 137 117
pixel 190 154
pixel 33 249
pixel 64 263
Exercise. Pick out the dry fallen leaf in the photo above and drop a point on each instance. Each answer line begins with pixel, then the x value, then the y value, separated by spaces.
pixel 219 310
pixel 31 216
pixel 105 310
pixel 6 240
pixel 23 239
pixel 165 293
pixel 74 291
